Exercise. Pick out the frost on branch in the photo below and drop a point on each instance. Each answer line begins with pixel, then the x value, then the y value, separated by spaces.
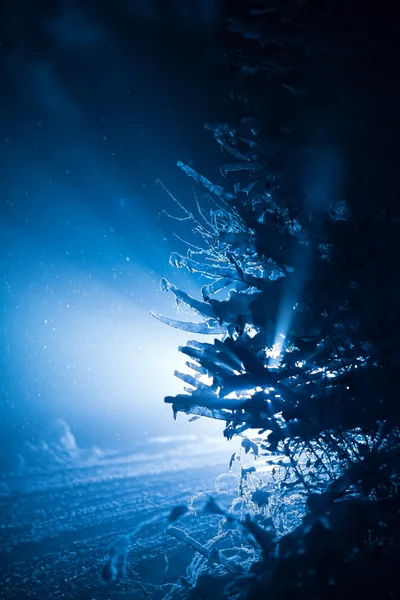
pixel 276 286
pixel 304 299
pixel 300 360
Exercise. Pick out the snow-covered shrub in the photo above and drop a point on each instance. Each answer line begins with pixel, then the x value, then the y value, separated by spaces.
pixel 303 295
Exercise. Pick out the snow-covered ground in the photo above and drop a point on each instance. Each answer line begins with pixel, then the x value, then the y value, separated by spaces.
pixel 57 520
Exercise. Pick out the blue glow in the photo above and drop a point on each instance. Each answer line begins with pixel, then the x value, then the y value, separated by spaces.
pixel 84 239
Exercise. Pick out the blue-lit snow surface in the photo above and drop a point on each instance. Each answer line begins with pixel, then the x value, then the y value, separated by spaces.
pixel 57 520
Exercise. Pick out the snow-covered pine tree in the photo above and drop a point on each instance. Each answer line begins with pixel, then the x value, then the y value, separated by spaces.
pixel 301 288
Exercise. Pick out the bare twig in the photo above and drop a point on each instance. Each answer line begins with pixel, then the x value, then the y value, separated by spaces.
pixel 216 556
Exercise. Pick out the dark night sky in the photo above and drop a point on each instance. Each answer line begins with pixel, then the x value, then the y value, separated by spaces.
pixel 99 100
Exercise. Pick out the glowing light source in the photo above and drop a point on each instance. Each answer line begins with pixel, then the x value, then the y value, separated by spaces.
pixel 274 354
